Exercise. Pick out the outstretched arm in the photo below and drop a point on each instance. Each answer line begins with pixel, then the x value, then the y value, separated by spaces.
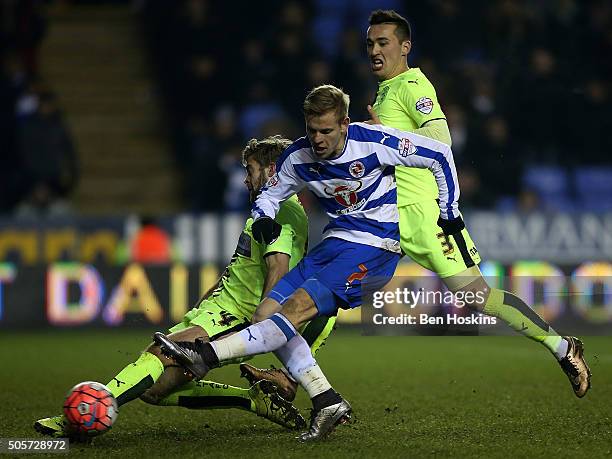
pixel 400 148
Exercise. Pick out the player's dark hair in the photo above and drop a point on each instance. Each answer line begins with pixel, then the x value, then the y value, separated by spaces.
pixel 326 98
pixel 403 31
pixel 265 151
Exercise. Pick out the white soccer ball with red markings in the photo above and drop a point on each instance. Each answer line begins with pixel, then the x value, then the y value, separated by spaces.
pixel 90 409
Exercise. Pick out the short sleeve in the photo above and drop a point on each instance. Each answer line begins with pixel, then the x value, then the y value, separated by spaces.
pixel 420 101
pixel 284 242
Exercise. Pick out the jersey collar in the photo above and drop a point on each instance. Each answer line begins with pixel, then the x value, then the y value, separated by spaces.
pixel 398 77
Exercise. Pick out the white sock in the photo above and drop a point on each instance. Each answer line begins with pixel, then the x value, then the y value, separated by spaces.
pixel 561 350
pixel 265 336
pixel 298 359
pixel 556 344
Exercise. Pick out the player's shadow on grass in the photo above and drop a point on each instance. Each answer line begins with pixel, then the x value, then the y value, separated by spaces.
pixel 167 434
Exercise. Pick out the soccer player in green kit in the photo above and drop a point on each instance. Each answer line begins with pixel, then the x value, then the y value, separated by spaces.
pixel 407 100
pixel 226 308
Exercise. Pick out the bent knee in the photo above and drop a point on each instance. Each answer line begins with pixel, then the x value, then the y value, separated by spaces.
pixel 474 294
pixel 472 298
pixel 150 398
pixel 267 308
pixel 154 349
pixel 259 316
pixel 300 308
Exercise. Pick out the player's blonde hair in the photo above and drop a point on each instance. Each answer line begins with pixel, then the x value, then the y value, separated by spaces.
pixel 326 98
pixel 265 151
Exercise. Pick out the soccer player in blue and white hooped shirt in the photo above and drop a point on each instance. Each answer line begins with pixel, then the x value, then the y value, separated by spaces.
pixel 350 169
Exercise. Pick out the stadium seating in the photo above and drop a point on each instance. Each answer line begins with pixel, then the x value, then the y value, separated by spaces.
pixel 551 184
pixel 594 188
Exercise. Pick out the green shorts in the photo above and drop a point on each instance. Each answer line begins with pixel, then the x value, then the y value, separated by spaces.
pixel 423 240
pixel 218 322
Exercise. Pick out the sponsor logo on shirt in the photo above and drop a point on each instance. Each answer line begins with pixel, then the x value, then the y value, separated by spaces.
pixel 424 105
pixel 346 195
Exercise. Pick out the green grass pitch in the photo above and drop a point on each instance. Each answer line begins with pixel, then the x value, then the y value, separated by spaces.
pixel 412 397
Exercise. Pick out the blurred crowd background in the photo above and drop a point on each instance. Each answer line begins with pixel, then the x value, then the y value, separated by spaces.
pixel 525 85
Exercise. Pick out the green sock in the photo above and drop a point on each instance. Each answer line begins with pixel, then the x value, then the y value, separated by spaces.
pixel 521 318
pixel 136 378
pixel 209 395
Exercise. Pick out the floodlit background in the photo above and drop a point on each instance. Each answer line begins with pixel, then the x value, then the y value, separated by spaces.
pixel 123 123
pixel 122 195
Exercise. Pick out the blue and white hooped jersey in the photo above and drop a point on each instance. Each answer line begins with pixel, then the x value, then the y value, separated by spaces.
pixel 357 189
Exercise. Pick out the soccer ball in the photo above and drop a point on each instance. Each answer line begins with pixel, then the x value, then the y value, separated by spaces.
pixel 90 409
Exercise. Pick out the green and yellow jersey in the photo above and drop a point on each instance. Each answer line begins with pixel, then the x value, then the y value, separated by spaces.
pixel 407 102
pixel 231 305
pixel 241 286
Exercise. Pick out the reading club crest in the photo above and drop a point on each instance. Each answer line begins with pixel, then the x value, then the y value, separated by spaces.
pixel 357 169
